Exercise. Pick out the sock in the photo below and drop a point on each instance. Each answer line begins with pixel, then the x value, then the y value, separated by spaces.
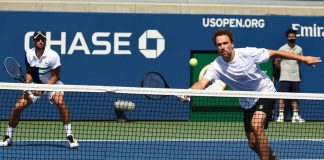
pixel 68 129
pixel 10 131
pixel 295 113
pixel 281 113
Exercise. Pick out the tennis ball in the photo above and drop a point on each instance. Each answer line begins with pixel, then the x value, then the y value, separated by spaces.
pixel 193 62
pixel 124 105
pixel 130 107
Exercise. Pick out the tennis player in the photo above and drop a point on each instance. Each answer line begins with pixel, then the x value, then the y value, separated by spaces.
pixel 239 68
pixel 42 66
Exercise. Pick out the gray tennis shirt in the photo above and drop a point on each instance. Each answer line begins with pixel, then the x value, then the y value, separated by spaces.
pixel 289 69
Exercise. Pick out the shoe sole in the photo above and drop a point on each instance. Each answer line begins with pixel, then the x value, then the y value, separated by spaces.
pixel 74 146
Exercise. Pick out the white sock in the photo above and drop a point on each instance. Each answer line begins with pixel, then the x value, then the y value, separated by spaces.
pixel 68 129
pixel 295 113
pixel 10 131
pixel 281 113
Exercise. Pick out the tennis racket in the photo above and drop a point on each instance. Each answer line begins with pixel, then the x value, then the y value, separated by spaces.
pixel 154 80
pixel 218 85
pixel 13 68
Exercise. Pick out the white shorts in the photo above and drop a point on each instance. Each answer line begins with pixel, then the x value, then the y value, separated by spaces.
pixel 49 94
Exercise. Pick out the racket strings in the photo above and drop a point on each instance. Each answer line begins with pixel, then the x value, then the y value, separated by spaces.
pixel 154 81
pixel 13 68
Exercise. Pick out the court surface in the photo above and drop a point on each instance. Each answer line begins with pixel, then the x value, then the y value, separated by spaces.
pixel 160 140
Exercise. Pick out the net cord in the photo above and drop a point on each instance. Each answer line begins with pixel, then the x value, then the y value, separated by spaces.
pixel 161 91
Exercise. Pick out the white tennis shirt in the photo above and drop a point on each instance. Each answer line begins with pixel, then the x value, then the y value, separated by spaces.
pixel 41 68
pixel 243 72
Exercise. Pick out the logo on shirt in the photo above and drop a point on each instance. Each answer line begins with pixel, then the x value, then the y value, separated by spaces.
pixel 260 106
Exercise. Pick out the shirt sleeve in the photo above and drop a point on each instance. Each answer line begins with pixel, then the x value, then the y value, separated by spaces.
pixel 211 73
pixel 259 55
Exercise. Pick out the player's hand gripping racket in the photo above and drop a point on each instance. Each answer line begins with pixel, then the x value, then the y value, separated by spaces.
pixel 13 69
pixel 154 80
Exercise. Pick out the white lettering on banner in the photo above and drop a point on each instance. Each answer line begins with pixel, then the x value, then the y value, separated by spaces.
pixel 97 42
pixel 28 35
pixel 233 22
pixel 308 31
pixel 121 43
pixel 74 46
pixel 60 42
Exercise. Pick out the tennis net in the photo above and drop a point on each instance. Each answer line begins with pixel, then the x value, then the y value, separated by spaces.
pixel 111 122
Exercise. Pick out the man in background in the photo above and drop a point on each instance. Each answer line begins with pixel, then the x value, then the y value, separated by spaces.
pixel 290 77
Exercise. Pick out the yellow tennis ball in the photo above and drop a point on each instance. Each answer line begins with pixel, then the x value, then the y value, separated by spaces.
pixel 193 62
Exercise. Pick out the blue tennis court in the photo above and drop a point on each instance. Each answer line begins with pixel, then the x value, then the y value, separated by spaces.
pixel 154 149
pixel 166 133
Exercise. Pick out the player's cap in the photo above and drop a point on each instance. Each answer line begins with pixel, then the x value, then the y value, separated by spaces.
pixel 39 33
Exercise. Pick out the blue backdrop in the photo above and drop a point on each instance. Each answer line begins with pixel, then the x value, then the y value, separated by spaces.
pixel 110 48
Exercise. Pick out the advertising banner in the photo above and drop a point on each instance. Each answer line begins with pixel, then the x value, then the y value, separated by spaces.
pixel 117 49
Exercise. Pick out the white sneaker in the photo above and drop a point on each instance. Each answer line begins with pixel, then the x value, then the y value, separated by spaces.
pixel 73 142
pixel 7 141
pixel 280 119
pixel 297 119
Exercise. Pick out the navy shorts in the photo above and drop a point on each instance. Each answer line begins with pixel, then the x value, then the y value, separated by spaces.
pixel 263 105
pixel 289 86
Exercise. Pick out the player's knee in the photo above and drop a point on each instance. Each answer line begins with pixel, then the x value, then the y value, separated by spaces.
pixel 20 106
pixel 58 100
pixel 257 128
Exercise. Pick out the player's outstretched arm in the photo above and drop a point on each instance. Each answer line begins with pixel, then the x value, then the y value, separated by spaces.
pixel 202 84
pixel 310 60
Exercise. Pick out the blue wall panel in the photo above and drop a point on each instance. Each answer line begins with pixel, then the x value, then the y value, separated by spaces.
pixel 180 33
